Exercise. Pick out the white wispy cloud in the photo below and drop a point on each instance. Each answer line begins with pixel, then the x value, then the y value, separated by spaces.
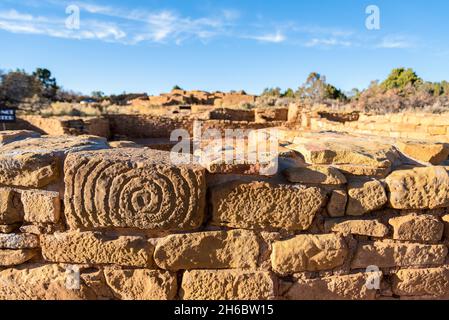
pixel 395 42
pixel 165 26
pixel 126 26
pixel 16 22
pixel 277 37
pixel 328 42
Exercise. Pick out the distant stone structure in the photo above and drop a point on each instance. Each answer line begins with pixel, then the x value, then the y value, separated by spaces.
pixel 182 97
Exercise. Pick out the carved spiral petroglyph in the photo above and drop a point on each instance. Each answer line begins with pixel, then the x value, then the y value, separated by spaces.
pixel 103 193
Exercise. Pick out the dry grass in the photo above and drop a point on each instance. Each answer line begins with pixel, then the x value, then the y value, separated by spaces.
pixel 59 109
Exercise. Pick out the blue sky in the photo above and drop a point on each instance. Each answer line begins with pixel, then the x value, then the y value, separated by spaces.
pixel 149 46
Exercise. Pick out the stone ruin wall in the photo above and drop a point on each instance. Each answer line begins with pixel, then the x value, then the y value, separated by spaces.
pixel 79 220
pixel 125 126
pixel 407 126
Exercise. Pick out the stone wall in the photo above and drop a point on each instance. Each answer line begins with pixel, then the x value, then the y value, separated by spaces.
pixel 124 126
pixel 409 126
pixel 62 125
pixel 344 218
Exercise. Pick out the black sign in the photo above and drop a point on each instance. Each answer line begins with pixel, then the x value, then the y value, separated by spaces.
pixel 7 115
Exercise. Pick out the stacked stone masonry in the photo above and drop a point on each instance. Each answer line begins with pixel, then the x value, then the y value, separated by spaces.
pixel 343 218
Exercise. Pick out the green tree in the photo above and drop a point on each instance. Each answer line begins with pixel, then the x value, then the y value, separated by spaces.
pixel 354 93
pixel 99 95
pixel 48 83
pixel 317 90
pixel 400 79
pixel 289 93
pixel 272 92
pixel 176 87
pixel 17 86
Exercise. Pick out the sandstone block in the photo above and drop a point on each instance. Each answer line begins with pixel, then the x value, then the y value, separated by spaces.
pixel 133 188
pixel 339 149
pixel 356 171
pixel 434 153
pixel 336 206
pixel 141 284
pixel 36 162
pixel 326 175
pixel 419 188
pixel 308 253
pixel 230 160
pixel 96 248
pixel 365 227
pixel 265 206
pixel 365 196
pixel 228 285
pixel 433 282
pixel 40 282
pixel 390 254
pixel 41 206
pixel 16 135
pixel 96 281
pixel 208 250
pixel 18 241
pixel 124 144
pixel 11 210
pixel 10 258
pixel 346 287
pixel 425 228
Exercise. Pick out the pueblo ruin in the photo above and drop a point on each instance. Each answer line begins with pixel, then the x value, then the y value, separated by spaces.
pixel 354 206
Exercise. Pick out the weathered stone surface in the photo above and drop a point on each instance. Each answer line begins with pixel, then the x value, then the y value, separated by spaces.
pixel 208 250
pixel 133 188
pixel 365 196
pixel 10 258
pixel 355 171
pixel 385 254
pixel 346 287
pixel 231 159
pixel 95 280
pixel 419 188
pixel 124 144
pixel 265 206
pixel 425 228
pixel 433 282
pixel 97 248
pixel 228 285
pixel 325 148
pixel 434 153
pixel 42 228
pixel 327 175
pixel 336 207
pixel 365 227
pixel 142 284
pixel 40 282
pixel 18 241
pixel 11 210
pixel 16 135
pixel 41 206
pixel 36 162
pixel 308 253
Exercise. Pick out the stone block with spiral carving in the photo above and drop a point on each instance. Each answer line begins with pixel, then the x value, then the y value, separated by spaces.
pixel 132 188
